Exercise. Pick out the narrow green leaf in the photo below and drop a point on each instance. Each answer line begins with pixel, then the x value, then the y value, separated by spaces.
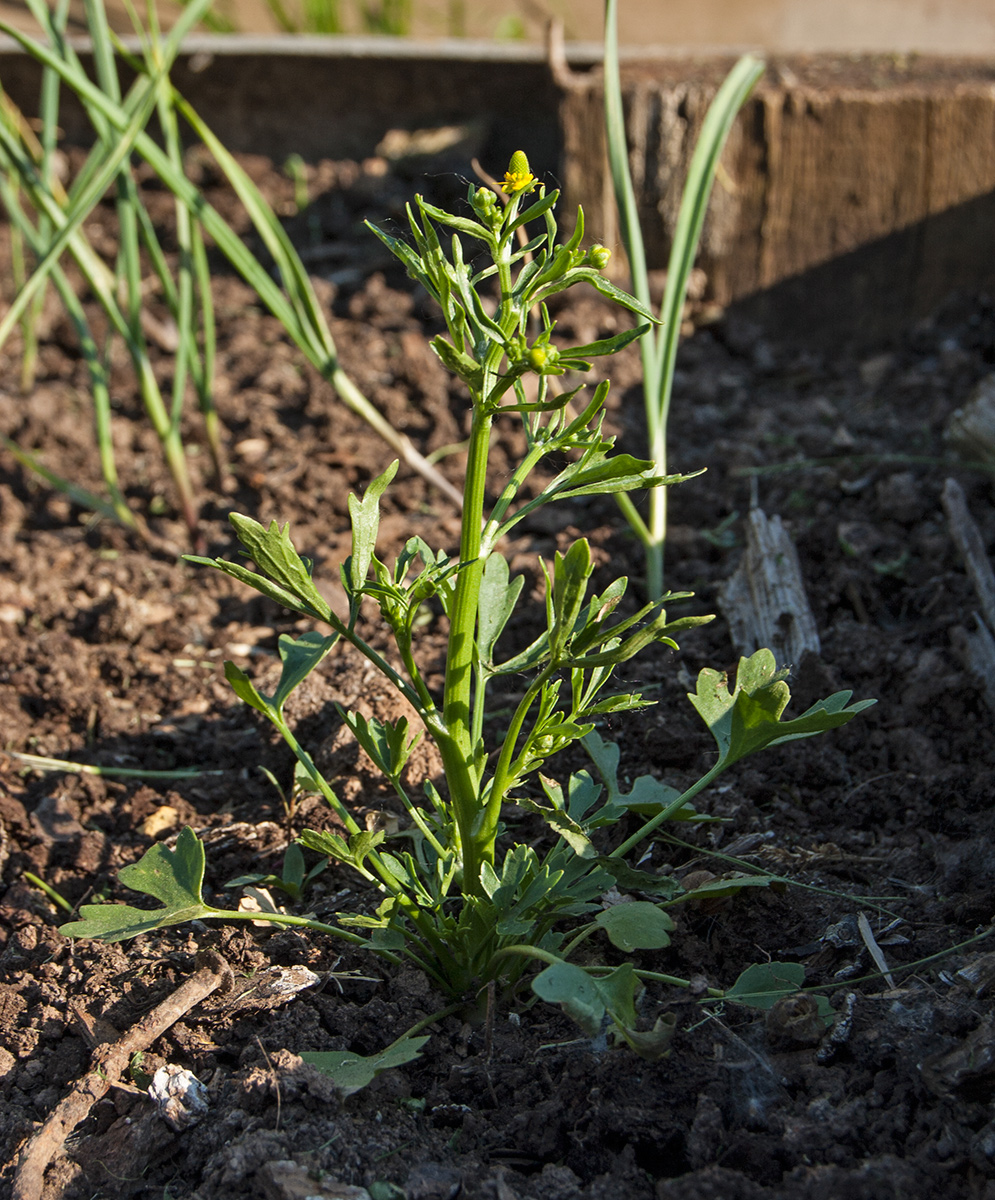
pixel 365 515
pixel 462 224
pixel 535 211
pixel 608 289
pixel 245 689
pixel 605 346
pixel 571 572
pixel 728 885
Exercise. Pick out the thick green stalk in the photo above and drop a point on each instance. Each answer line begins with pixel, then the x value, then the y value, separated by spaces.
pixel 458 750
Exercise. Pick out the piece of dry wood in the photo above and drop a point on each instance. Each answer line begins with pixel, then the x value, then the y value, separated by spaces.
pixel 108 1064
pixel 976 650
pixel 840 182
pixel 971 545
pixel 764 600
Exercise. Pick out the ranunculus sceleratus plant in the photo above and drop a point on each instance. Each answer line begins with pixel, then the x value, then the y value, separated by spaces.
pixel 460 897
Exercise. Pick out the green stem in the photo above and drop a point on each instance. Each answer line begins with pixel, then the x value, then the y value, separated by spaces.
pixel 672 980
pixel 457 748
pixel 665 814
pixel 229 914
pixel 502 771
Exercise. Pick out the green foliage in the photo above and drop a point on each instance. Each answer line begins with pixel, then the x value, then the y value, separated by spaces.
pixel 49 224
pixel 763 984
pixel 659 350
pixel 174 877
pixel 293 880
pixel 353 1072
pixel 747 718
pixel 460 897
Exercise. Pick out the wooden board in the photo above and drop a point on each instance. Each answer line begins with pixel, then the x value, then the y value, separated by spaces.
pixel 854 192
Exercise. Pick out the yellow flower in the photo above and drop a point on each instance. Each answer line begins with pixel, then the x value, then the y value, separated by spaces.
pixel 518 178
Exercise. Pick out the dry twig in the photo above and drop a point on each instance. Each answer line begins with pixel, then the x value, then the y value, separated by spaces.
pixel 108 1064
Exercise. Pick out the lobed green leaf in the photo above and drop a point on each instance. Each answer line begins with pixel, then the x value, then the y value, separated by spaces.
pixel 175 877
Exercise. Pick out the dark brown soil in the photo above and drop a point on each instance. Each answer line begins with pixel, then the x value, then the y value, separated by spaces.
pixel 112 654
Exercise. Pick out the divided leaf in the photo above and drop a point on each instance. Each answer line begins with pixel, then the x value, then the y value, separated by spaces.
pixel 748 717
pixel 637 925
pixel 647 796
pixel 387 743
pixel 352 1072
pixel 274 555
pixel 173 876
pixel 763 984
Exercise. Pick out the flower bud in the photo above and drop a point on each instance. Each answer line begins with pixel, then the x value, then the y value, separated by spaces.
pixel 543 359
pixel 599 256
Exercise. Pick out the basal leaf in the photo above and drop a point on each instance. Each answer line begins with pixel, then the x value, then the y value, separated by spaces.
pixel 763 984
pixel 637 925
pixel 653 1044
pixel 727 885
pixel 352 1072
pixel 576 992
pixel 175 877
pixel 588 999
pixel 634 880
pixel 332 845
pixel 747 717
pixel 647 795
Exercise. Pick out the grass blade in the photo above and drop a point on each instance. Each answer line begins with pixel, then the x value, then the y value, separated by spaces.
pixel 659 349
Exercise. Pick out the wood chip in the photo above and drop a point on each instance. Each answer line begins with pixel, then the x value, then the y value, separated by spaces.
pixel 765 601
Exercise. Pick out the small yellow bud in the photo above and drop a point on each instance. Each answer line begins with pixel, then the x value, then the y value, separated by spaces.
pixel 518 178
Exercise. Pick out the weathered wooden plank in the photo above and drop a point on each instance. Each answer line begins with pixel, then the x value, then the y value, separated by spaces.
pixel 869 183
